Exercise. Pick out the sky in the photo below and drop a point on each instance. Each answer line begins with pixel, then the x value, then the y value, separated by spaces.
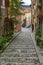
pixel 27 2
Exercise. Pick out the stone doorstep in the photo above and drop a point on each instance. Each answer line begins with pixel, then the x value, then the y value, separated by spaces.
pixel 37 50
pixel 14 36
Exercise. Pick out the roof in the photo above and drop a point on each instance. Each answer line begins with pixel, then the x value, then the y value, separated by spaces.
pixel 26 10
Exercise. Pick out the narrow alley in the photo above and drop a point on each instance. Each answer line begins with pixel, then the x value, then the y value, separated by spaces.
pixel 21 51
pixel 21 32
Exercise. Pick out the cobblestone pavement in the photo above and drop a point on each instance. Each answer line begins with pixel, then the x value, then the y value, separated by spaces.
pixel 20 52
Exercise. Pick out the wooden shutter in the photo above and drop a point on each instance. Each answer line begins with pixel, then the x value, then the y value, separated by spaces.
pixel 6 3
pixel 0 2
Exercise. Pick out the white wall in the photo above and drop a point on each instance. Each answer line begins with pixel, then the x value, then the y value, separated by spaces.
pixel 28 18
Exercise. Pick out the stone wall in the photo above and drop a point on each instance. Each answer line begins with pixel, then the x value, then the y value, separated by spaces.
pixel 3 12
pixel 34 14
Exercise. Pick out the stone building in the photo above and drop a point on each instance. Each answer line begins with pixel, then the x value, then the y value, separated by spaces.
pixel 37 15
pixel 34 14
pixel 26 16
pixel 2 16
pixel 4 4
pixel 40 15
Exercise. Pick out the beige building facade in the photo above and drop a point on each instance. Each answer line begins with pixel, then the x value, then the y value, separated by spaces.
pixel 27 16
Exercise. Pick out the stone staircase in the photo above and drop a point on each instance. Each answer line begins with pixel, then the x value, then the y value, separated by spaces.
pixel 20 52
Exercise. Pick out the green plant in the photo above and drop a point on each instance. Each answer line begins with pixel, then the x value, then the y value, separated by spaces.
pixel 15 21
pixel 41 44
pixel 0 17
pixel 8 35
pixel 38 33
pixel 37 37
pixel 2 42
pixel 15 9
pixel 39 5
pixel 38 41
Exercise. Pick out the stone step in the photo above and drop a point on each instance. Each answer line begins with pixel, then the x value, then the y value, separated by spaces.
pixel 30 49
pixel 30 53
pixel 20 59
pixel 19 47
pixel 10 54
pixel 15 43
pixel 20 52
pixel 21 44
pixel 13 63
pixel 22 49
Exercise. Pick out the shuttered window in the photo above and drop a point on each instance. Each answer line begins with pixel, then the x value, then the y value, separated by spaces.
pixel 6 3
